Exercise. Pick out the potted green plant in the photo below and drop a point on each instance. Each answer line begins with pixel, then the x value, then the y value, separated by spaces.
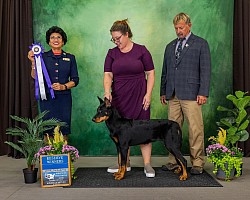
pixel 227 160
pixel 237 119
pixel 224 151
pixel 30 140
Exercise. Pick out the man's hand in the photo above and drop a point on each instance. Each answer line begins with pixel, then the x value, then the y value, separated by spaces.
pixel 201 100
pixel 163 100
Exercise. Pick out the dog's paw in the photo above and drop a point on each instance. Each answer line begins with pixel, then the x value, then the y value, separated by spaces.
pixel 183 178
pixel 119 176
pixel 177 170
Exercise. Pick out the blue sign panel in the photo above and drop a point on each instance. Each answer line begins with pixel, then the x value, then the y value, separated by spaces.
pixel 55 170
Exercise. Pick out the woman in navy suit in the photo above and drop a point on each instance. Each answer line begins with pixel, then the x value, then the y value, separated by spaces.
pixel 62 70
pixel 185 84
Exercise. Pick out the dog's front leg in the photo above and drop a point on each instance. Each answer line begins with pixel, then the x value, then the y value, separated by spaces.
pixel 122 164
pixel 118 157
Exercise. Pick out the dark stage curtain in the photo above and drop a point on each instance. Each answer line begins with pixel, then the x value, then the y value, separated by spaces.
pixel 17 86
pixel 241 53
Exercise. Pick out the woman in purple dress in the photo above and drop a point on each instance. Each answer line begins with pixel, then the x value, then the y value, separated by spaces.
pixel 128 82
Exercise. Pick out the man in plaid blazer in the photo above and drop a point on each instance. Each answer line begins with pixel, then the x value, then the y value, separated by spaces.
pixel 185 84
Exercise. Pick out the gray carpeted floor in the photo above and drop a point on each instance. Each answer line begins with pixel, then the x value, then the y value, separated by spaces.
pixel 100 178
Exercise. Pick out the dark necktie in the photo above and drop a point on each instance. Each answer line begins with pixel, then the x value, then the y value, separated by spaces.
pixel 179 49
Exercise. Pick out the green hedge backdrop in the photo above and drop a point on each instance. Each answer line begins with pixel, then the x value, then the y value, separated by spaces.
pixel 87 24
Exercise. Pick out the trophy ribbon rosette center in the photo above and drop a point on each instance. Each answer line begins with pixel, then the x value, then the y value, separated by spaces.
pixel 41 73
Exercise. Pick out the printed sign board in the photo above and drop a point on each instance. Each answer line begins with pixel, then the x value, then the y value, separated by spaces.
pixel 55 170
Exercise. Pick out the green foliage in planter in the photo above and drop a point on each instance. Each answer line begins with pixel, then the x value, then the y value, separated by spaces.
pixel 226 158
pixel 227 164
pixel 237 119
pixel 30 137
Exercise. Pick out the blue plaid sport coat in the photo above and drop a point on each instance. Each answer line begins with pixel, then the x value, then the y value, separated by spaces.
pixel 189 76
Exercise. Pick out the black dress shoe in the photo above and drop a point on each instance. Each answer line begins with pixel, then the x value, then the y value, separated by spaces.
pixel 196 170
pixel 169 167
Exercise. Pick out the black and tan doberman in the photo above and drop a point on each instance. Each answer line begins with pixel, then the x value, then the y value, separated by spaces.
pixel 128 132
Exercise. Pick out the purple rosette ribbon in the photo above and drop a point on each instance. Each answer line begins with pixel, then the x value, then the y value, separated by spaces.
pixel 41 73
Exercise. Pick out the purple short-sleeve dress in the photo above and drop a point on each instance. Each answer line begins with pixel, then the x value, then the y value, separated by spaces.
pixel 129 80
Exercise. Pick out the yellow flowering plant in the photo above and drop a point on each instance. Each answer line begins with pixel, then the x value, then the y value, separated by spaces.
pixel 57 145
pixel 223 156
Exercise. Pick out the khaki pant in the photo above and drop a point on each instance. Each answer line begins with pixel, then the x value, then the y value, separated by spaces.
pixel 177 110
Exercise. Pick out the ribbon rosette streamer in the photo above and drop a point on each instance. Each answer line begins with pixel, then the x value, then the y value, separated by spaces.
pixel 41 73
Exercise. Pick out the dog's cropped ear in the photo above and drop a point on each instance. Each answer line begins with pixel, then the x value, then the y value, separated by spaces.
pixel 101 101
pixel 107 102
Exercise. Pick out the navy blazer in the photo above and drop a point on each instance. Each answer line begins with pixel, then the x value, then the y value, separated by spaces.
pixel 61 69
pixel 190 75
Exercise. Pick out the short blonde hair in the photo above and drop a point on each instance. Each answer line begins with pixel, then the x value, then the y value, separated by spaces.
pixel 181 17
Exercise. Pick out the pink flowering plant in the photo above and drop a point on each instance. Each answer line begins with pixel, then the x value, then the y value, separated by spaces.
pixel 224 157
pixel 64 149
pixel 57 145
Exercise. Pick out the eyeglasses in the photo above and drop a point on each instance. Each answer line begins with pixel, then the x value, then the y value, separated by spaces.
pixel 116 39
pixel 55 37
